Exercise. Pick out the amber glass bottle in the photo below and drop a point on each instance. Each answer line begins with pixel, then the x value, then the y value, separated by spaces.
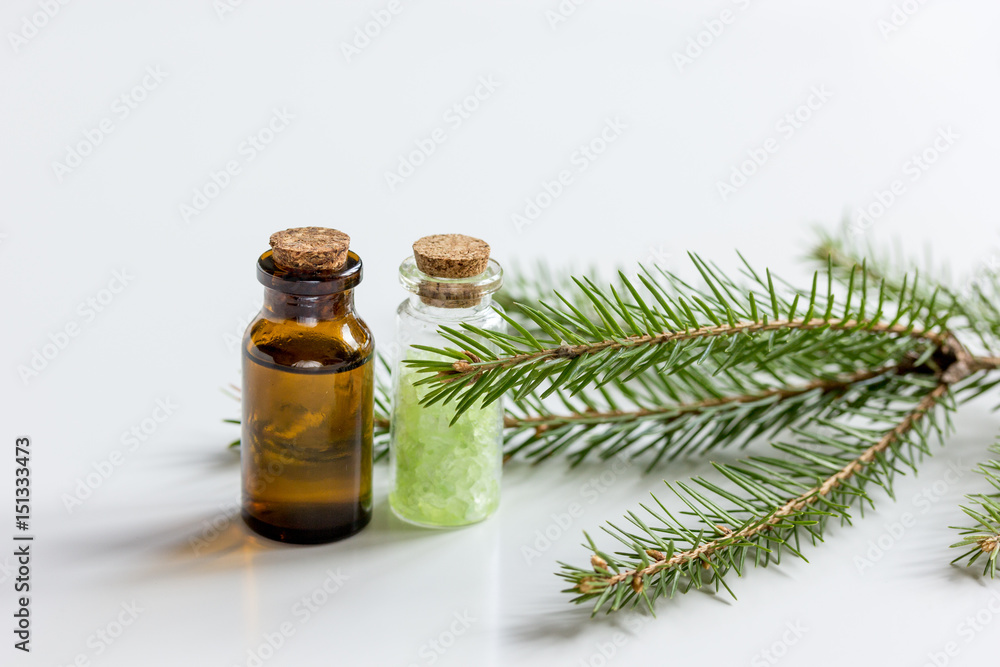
pixel 307 394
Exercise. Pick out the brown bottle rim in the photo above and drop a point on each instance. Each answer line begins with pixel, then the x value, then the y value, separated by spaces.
pixel 271 275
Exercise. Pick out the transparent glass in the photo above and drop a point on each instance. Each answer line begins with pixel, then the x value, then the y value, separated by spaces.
pixel 442 475
pixel 307 400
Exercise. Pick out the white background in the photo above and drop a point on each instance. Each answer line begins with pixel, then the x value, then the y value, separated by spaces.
pixel 651 195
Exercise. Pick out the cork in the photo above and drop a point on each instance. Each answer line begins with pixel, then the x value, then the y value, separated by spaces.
pixel 310 249
pixel 451 255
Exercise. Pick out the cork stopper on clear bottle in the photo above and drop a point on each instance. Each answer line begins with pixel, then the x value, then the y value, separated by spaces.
pixel 451 271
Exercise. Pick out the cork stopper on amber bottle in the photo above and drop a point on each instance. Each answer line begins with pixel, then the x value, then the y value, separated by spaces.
pixel 451 255
pixel 310 249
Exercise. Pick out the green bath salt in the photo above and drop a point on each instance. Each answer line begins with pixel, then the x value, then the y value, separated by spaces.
pixel 443 475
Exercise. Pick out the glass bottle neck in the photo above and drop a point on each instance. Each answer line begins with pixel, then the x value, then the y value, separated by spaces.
pixel 432 309
pixel 284 306
pixel 452 299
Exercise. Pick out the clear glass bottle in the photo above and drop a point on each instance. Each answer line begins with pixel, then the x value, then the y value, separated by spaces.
pixel 307 406
pixel 443 475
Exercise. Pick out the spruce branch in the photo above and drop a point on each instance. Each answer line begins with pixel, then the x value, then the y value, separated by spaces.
pixel 984 536
pixel 974 299
pixel 465 369
pixel 665 430
pixel 674 411
pixel 666 326
pixel 843 253
pixel 784 499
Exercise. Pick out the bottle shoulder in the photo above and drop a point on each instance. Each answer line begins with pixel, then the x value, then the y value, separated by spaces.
pixel 324 345
pixel 486 318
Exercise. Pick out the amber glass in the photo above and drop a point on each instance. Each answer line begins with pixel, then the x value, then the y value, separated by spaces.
pixel 307 408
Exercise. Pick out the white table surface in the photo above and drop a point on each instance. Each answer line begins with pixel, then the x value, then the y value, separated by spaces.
pixel 401 595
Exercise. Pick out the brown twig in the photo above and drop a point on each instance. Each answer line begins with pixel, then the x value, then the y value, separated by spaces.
pixel 984 363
